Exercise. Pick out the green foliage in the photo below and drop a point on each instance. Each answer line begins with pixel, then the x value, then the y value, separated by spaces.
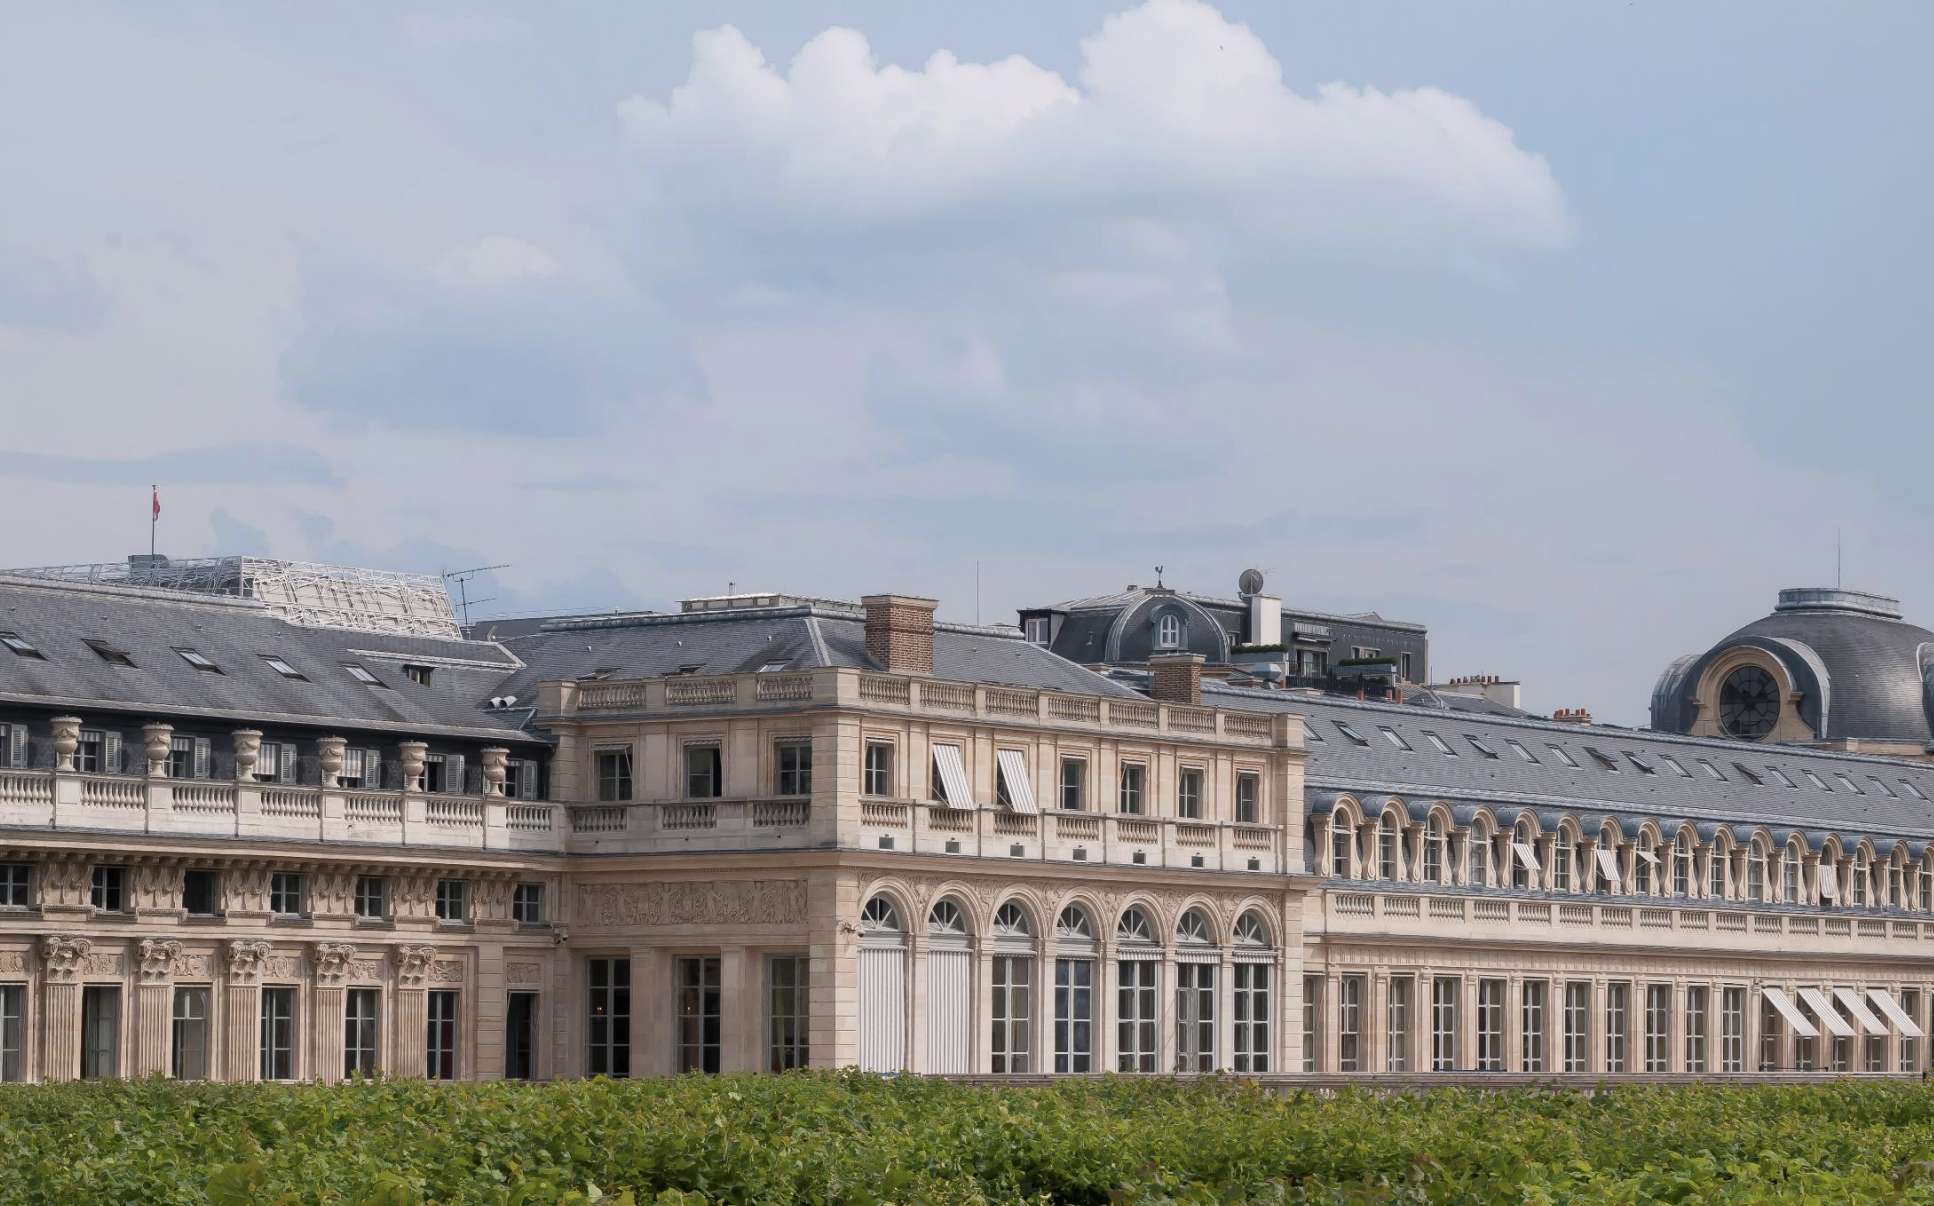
pixel 863 1139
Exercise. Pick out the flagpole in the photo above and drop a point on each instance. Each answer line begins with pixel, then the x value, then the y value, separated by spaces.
pixel 154 515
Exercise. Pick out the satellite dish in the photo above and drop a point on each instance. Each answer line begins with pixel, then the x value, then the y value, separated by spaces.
pixel 1251 582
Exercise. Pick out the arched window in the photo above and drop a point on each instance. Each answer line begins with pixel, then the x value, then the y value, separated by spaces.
pixel 879 914
pixel 1388 831
pixel 1756 876
pixel 1863 867
pixel 1168 631
pixel 1564 852
pixel 1251 930
pixel 1606 864
pixel 1436 849
pixel 1481 855
pixel 1010 921
pixel 1644 857
pixel 1716 855
pixel 1073 924
pixel 1927 882
pixel 1682 880
pixel 1193 928
pixel 1341 838
pixel 1790 874
pixel 1521 870
pixel 944 918
pixel 1134 927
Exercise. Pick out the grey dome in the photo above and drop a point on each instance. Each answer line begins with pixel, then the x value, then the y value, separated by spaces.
pixel 1863 672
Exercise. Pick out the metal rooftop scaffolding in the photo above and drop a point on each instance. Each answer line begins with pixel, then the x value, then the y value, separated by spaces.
pixel 301 592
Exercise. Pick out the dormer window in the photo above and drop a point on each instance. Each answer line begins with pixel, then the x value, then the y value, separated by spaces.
pixel 420 675
pixel 1036 630
pixel 1168 631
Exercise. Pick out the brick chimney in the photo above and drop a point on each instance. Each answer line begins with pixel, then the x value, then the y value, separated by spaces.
pixel 1572 716
pixel 1176 678
pixel 899 632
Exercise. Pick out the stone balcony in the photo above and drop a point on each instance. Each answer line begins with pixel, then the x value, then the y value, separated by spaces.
pixel 213 808
pixel 841 687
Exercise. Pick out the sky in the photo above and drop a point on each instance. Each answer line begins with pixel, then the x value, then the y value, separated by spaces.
pixel 1572 331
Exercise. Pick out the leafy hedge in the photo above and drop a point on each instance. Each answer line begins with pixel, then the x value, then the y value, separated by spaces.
pixel 852 1138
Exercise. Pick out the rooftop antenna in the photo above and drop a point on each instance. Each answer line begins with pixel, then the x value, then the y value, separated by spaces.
pixel 1158 577
pixel 462 579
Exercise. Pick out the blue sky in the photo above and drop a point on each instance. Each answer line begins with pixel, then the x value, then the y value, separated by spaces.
pixel 1573 331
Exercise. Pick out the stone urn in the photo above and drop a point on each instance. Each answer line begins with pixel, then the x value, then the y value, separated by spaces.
pixel 329 752
pixel 495 759
pixel 67 739
pixel 248 748
pixel 413 755
pixel 157 738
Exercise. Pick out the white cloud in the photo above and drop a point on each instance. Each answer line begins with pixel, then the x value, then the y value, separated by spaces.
pixel 493 262
pixel 1175 109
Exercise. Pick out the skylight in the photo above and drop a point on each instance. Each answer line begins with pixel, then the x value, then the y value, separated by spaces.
pixel 1881 783
pixel 1785 779
pixel 109 654
pixel 1395 737
pixel 1349 732
pixel 361 675
pixel 198 660
pixel 283 668
pixel 1912 789
pixel 1847 782
pixel 1481 748
pixel 1523 753
pixel 1814 779
pixel 1563 757
pixel 1602 758
pixel 21 646
pixel 1712 770
pixel 1676 765
pixel 1747 771
pixel 772 667
pixel 1644 767
pixel 1443 747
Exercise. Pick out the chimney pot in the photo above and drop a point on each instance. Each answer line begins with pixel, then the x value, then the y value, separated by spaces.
pixel 1176 678
pixel 899 632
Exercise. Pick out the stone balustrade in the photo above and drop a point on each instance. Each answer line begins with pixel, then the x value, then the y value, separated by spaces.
pixel 926 827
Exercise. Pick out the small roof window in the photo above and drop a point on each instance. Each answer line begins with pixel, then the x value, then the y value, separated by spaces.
pixel 1712 770
pixel 1481 748
pixel 773 667
pixel 1563 756
pixel 1847 782
pixel 1644 767
pixel 1603 759
pixel 1443 747
pixel 109 654
pixel 598 675
pixel 1785 779
pixel 282 667
pixel 1677 766
pixel 1913 789
pixel 1814 779
pixel 1523 753
pixel 1881 783
pixel 1747 771
pixel 21 646
pixel 688 668
pixel 420 675
pixel 1349 732
pixel 198 660
pixel 1310 734
pixel 1395 737
pixel 361 675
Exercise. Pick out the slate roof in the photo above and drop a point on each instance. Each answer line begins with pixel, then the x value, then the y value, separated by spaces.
pixel 235 634
pixel 803 638
pixel 1588 790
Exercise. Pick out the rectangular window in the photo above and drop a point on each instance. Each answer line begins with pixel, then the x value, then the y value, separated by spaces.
pixel 1441 746
pixel 286 894
pixel 1397 1025
pixel 527 904
pixel 1578 1005
pixel 452 900
pixel 1133 775
pixel 278 1033
pixel 520 778
pixel 1732 1029
pixel 1490 1025
pixel 793 768
pixel 1658 1027
pixel 1532 1026
pixel 614 774
pixel 359 1023
pixel 1482 749
pixel 362 675
pixel 16 880
pixel 201 893
pixel 1349 1024
pixel 109 892
pixel 1074 784
pixel 13 1031
pixel 1443 1024
pixel 1013 1037
pixel 100 1031
pixel 1678 768
pixel 188 1048
pixel 609 1016
pixel 1195 1017
pixel 1248 798
pixel 1074 1015
pixel 1252 1033
pixel 788 1012
pixel 1312 1011
pixel 372 897
pixel 110 654
pixel 699 1018
pixel 21 646
pixel 1517 747
pixel 1394 737
pixel 1037 630
pixel 1769 1036
pixel 520 1036
pixel 1563 756
pixel 440 1043
pixel 198 660
pixel 281 666
pixel 949 778
pixel 361 769
pixel 704 772
pixel 420 675
pixel 1697 1007
pixel 90 757
pixel 879 769
pixel 1618 999
pixel 1135 1015
pixel 181 757
pixel 1188 793
pixel 1351 734
pixel 1910 1047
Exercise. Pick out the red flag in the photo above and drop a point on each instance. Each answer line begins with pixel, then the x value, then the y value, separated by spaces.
pixel 157 502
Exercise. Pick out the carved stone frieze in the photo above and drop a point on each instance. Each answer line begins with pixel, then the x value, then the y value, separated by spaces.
pixel 524 973
pixel 157 956
pixel 157 888
pixel 247 959
pixel 413 963
pixel 62 957
pixel 333 961
pixel 727 902
pixel 13 961
pixel 102 963
pixel 366 971
pixel 283 967
pixel 65 881
pixel 447 972
pixel 245 890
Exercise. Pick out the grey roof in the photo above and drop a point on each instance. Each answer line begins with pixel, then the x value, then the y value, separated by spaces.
pixel 802 638
pixel 149 625
pixel 1457 701
pixel 1509 782
pixel 1862 673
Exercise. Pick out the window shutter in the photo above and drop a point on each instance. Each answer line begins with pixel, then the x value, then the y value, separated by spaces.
pixel 527 779
pixel 203 754
pixel 17 744
pixel 372 768
pixel 111 753
pixel 453 774
pixel 285 764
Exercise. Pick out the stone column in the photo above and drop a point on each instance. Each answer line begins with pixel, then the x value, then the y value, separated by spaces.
pixel 413 756
pixel 495 758
pixel 408 1048
pixel 1376 1026
pixel 241 1049
pixel 154 1005
pixel 156 741
pixel 60 1002
pixel 329 753
pixel 1467 1020
pixel 1677 1034
pixel 1107 985
pixel 1225 1019
pixel 248 748
pixel 1422 1018
pixel 739 1047
pixel 1329 1025
pixel 1749 1057
pixel 1595 1031
pixel 331 961
pixel 1514 1023
pixel 982 1039
pixel 67 739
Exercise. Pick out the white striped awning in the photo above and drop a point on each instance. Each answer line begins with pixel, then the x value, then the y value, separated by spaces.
pixel 1648 856
pixel 1527 856
pixel 1020 788
pixel 1891 1007
pixel 1823 1009
pixel 1829 882
pixel 1790 1012
pixel 1851 1002
pixel 953 776
pixel 1607 864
